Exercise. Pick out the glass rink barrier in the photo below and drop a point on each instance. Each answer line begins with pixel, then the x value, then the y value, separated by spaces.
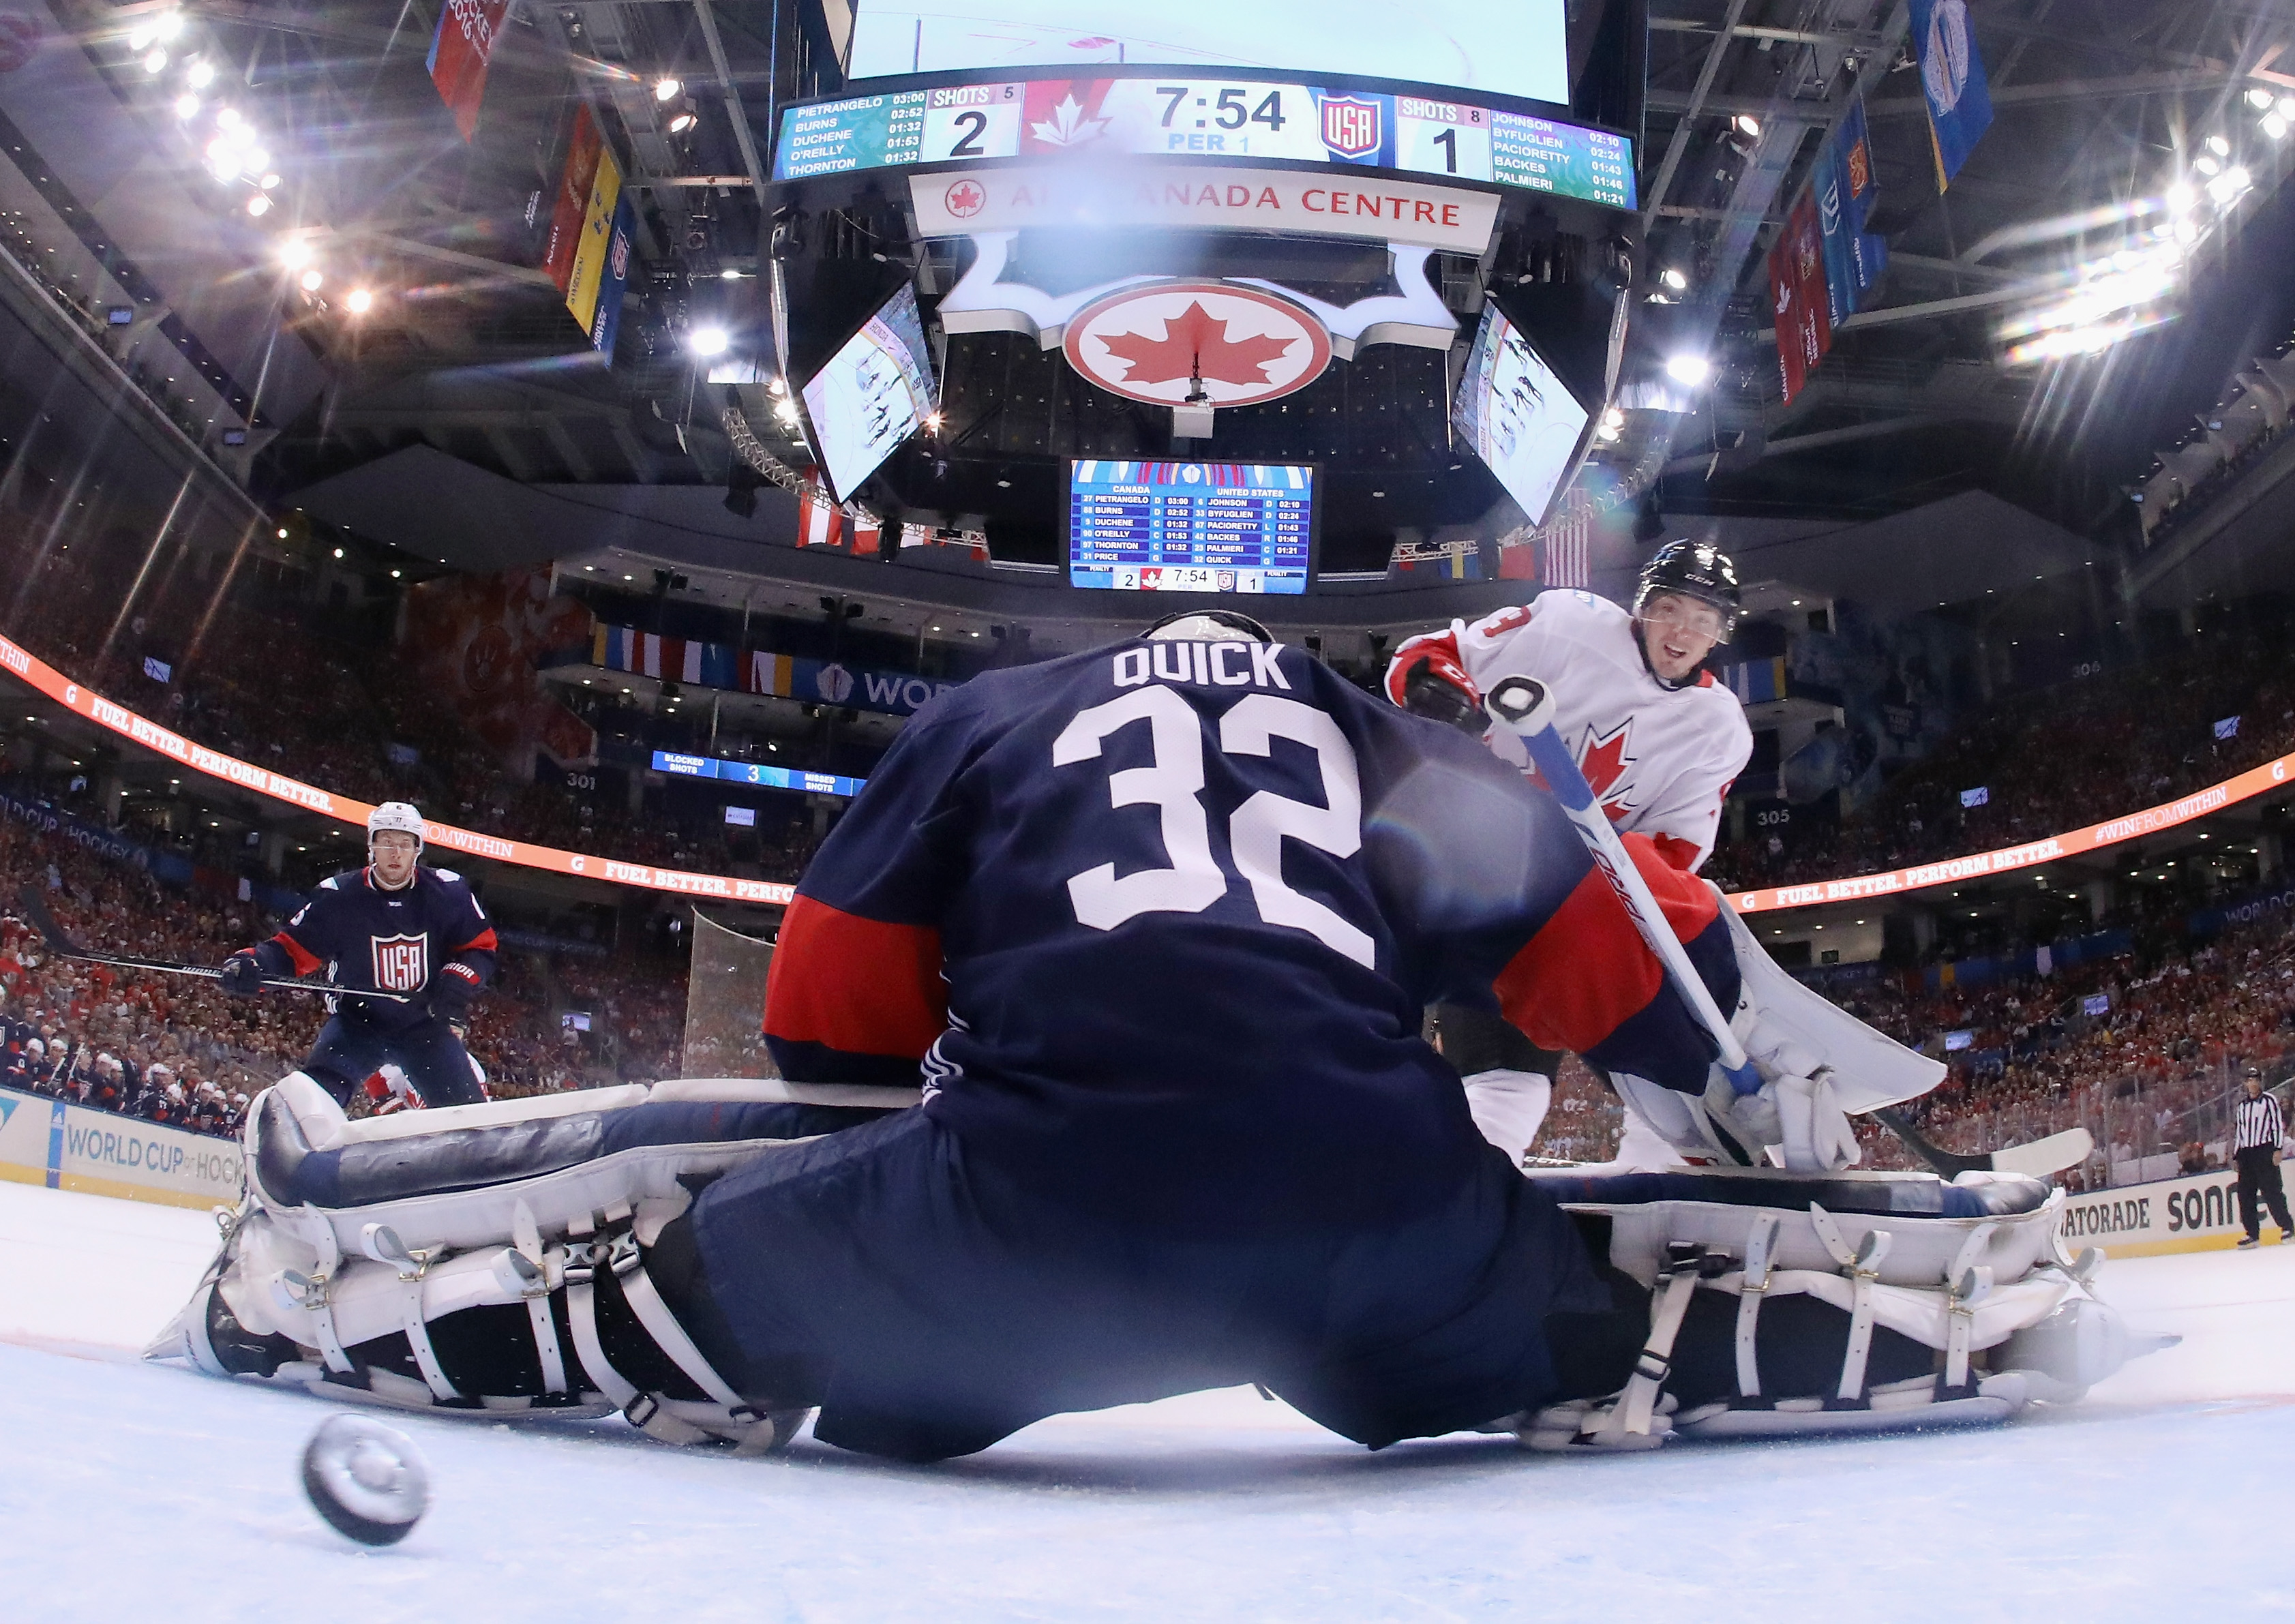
pixel 725 1003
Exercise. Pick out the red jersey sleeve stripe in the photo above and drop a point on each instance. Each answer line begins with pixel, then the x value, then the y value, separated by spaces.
pixel 305 961
pixel 483 943
pixel 1588 969
pixel 858 986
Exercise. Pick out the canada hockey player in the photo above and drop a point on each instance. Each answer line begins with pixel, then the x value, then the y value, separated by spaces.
pixel 1146 931
pixel 394 925
pixel 1660 743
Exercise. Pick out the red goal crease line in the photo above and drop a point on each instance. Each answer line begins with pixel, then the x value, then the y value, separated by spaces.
pixel 118 719
pixel 2007 859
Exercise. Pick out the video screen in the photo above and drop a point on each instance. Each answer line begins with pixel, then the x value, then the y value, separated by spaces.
pixel 874 393
pixel 1190 526
pixel 1516 415
pixel 1519 49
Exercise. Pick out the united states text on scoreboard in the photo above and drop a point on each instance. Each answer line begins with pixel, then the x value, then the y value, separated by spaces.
pixel 1178 116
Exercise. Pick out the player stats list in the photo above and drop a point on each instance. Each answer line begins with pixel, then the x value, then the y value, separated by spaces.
pixel 1190 528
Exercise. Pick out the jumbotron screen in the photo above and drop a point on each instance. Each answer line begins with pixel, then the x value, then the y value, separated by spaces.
pixel 874 393
pixel 1190 526
pixel 1516 415
pixel 1521 48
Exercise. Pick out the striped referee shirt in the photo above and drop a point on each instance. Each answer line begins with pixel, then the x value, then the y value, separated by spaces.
pixel 2260 1123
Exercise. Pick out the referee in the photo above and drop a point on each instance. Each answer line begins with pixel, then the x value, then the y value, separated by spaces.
pixel 2261 1129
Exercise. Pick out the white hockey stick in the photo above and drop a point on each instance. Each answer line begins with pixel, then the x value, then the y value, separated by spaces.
pixel 1526 709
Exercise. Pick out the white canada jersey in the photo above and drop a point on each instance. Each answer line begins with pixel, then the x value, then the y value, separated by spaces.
pixel 1659 759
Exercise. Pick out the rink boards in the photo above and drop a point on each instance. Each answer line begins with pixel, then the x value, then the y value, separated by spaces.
pixel 70 1148
pixel 2200 1214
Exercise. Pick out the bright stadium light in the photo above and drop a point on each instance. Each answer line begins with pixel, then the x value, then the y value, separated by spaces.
pixel 2275 126
pixel 2183 197
pixel 1674 279
pixel 270 183
pixel 708 341
pixel 2218 145
pixel 684 119
pixel 1688 370
pixel 227 118
pixel 313 281
pixel 1747 125
pixel 156 62
pixel 200 74
pixel 2257 96
pixel 170 25
pixel 258 205
pixel 295 253
pixel 187 106
pixel 2207 164
pixel 359 301
pixel 668 88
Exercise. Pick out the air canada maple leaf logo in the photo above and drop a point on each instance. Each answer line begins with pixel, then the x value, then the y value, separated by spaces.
pixel 1194 344
pixel 964 198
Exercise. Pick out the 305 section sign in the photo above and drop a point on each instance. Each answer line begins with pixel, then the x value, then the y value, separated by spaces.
pixel 1206 118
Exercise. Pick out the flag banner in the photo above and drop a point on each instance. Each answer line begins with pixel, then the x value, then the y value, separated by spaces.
pixel 820 522
pixel 1843 184
pixel 1952 81
pixel 1797 294
pixel 1756 682
pixel 583 150
pixel 2228 727
pixel 159 671
pixel 460 49
pixel 1980 795
pixel 1460 560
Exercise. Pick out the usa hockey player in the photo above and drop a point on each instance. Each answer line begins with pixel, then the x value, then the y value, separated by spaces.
pixel 1151 926
pixel 394 925
pixel 1660 743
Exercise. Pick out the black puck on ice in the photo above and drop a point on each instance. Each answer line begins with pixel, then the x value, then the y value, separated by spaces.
pixel 365 1479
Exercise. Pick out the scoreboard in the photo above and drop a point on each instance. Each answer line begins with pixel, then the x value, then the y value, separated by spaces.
pixel 1176 116
pixel 1190 526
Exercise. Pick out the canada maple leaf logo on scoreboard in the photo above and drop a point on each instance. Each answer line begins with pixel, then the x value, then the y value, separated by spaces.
pixel 966 199
pixel 402 964
pixel 1351 126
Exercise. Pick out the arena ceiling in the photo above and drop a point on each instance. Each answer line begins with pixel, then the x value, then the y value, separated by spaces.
pixel 2100 104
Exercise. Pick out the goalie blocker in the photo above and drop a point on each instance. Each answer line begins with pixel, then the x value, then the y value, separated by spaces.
pixel 527 1257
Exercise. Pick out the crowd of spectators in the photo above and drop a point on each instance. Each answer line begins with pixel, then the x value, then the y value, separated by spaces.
pixel 2049 761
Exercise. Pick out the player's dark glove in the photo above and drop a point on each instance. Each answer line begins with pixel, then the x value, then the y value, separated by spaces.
pixel 451 994
pixel 242 974
pixel 1439 690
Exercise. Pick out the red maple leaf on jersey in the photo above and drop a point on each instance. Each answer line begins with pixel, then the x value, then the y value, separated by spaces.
pixel 1604 762
pixel 1195 340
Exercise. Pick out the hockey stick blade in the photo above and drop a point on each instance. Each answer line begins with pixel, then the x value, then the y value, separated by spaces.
pixel 2035 1160
pixel 36 909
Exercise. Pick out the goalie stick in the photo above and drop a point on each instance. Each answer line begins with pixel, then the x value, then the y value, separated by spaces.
pixel 1524 707
pixel 36 910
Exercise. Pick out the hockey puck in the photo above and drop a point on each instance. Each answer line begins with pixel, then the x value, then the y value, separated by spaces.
pixel 366 1480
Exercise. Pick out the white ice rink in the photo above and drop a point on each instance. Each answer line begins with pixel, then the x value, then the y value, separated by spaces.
pixel 133 1492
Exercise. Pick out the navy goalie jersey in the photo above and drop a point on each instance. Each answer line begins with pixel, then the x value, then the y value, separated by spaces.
pixel 1154 925
pixel 429 940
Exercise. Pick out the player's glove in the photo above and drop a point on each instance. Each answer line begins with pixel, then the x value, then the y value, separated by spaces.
pixel 1436 687
pixel 451 994
pixel 242 974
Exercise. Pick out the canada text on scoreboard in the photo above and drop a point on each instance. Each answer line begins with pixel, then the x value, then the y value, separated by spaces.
pixel 1178 116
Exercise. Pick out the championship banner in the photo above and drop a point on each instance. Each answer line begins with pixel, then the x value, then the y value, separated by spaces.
pixel 1797 293
pixel 572 201
pixel 460 49
pixel 1845 189
pixel 586 281
pixel 119 721
pixel 608 324
pixel 1952 82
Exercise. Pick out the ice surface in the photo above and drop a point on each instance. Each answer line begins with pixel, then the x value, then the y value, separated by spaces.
pixel 136 1491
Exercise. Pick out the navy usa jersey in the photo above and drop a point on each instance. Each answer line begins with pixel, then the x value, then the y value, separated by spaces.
pixel 1157 924
pixel 429 940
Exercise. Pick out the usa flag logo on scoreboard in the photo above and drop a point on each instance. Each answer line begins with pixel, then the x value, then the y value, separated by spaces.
pixel 1354 127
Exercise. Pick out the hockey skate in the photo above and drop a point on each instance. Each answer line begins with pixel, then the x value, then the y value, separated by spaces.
pixel 1782 1304
pixel 496 1260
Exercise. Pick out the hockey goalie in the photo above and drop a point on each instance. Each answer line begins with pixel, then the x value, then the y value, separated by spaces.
pixel 1105 995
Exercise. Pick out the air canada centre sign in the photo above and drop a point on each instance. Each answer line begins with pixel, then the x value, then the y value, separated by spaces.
pixel 1171 342
pixel 1318 204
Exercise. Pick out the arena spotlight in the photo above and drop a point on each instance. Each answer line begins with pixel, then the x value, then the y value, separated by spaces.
pixel 156 62
pixel 295 253
pixel 227 118
pixel 668 88
pixel 200 74
pixel 683 119
pixel 1688 369
pixel 313 281
pixel 708 341
pixel 2258 97
pixel 2183 197
pixel 259 205
pixel 170 25
pixel 1746 123
pixel 269 182
pixel 359 302
pixel 2218 145
pixel 187 106
pixel 1674 279
pixel 2275 126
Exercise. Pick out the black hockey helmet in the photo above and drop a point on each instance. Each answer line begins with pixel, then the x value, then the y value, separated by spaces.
pixel 1198 625
pixel 1694 569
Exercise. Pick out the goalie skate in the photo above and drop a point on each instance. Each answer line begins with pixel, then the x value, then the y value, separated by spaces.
pixel 492 1258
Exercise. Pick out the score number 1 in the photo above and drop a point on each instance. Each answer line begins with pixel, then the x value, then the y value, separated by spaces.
pixel 1440 138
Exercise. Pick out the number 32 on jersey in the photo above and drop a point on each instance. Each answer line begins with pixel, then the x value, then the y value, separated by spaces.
pixel 1173 780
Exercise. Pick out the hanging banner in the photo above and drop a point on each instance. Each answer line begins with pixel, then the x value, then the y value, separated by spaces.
pixel 1844 184
pixel 609 324
pixel 572 201
pixel 1952 82
pixel 460 51
pixel 1797 296
pixel 587 279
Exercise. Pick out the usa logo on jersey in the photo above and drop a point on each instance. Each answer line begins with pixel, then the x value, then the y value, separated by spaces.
pixel 402 964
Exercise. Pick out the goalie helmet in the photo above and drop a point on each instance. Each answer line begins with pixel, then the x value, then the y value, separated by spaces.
pixel 396 815
pixel 1207 626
